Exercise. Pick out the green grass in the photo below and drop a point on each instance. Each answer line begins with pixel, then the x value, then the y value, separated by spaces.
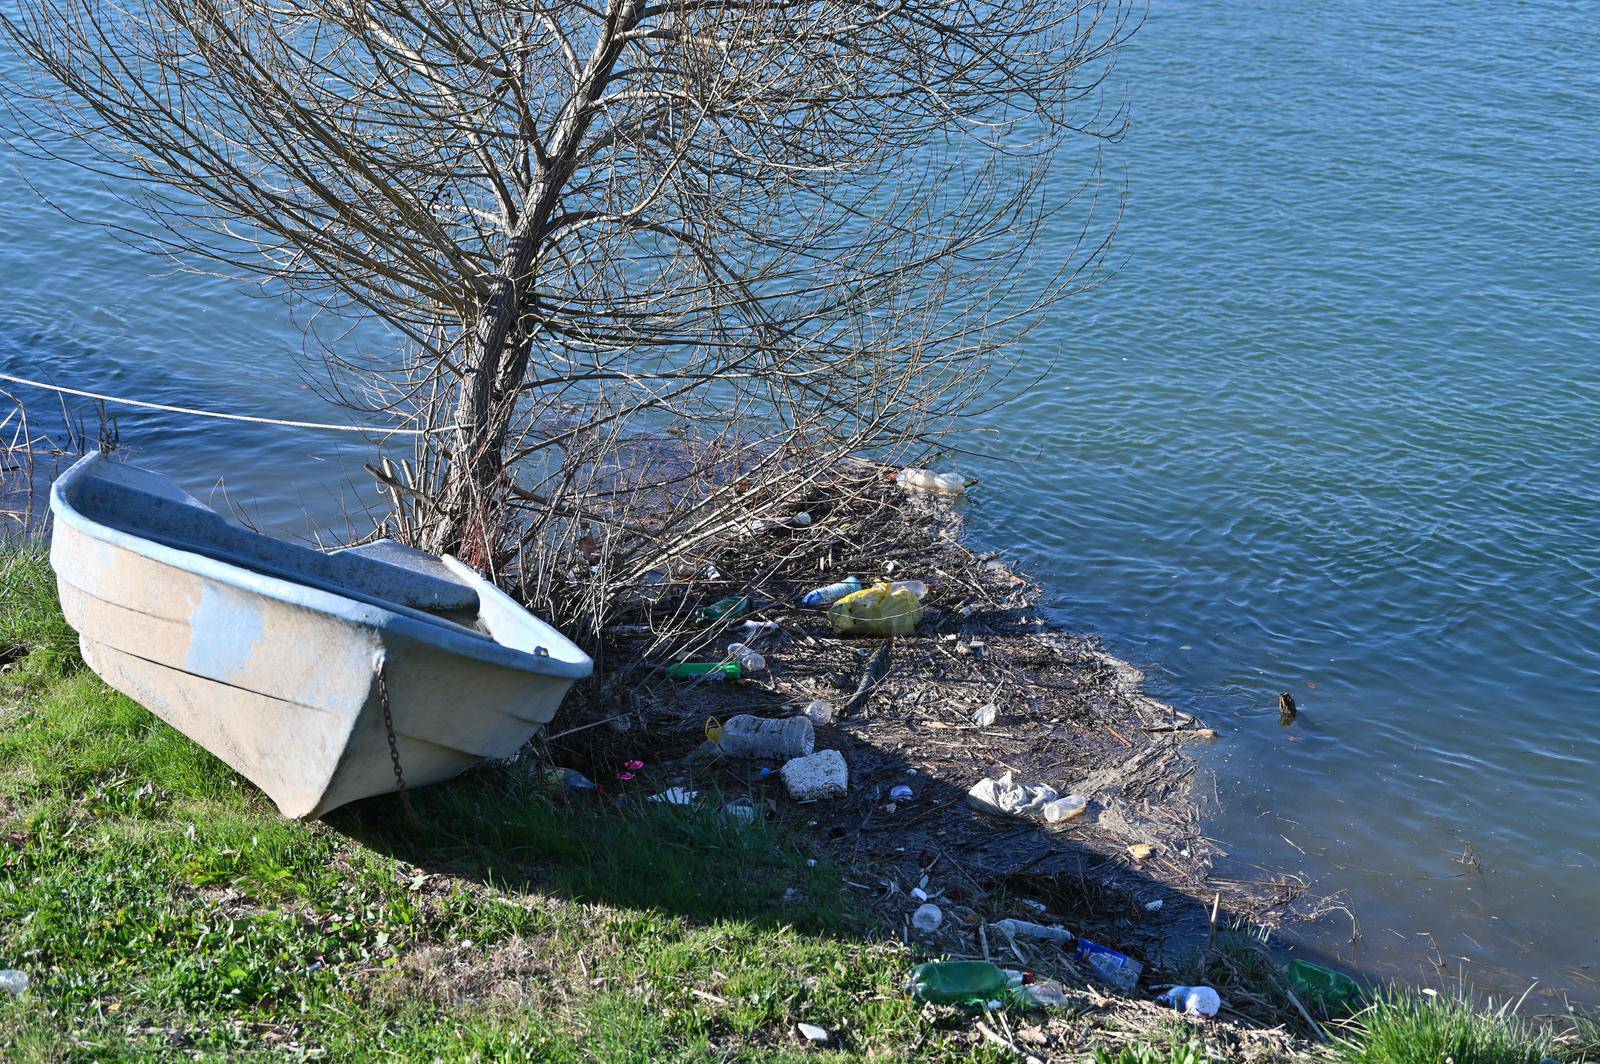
pixel 1405 1027
pixel 1178 1050
pixel 160 905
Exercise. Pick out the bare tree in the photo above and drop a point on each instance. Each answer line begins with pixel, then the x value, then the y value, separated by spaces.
pixel 786 230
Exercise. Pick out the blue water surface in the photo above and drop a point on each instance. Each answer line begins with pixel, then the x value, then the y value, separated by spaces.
pixel 1332 428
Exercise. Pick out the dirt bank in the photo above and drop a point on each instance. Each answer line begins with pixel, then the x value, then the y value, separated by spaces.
pixel 1134 872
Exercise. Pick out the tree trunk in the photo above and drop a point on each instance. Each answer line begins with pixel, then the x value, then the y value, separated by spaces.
pixel 474 491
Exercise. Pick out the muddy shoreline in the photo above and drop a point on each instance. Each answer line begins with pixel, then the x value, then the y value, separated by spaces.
pixel 1067 713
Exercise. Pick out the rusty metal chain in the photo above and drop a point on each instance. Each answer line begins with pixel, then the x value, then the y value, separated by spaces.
pixel 388 725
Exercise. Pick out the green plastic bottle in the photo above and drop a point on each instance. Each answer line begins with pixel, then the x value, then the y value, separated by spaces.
pixel 730 607
pixel 689 670
pixel 972 983
pixel 1334 992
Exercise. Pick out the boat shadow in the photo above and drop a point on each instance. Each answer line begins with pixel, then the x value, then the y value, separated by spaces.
pixel 851 867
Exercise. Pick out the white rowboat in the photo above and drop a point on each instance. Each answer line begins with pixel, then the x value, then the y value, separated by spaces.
pixel 281 660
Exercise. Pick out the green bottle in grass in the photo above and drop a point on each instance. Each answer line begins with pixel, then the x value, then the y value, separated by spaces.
pixel 971 983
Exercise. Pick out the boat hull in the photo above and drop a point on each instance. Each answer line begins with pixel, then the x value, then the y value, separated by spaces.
pixel 288 684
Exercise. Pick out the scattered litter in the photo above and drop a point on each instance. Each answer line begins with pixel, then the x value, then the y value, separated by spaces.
pixel 748 660
pixel 916 587
pixel 1027 929
pixel 710 670
pixel 1334 991
pixel 1030 903
pixel 629 770
pixel 879 610
pixel 1044 994
pixel 913 479
pixel 1140 850
pixel 754 630
pixel 742 810
pixel 758 737
pixel 1005 797
pixel 676 796
pixel 1118 969
pixel 828 594
pixel 799 520
pixel 819 712
pixel 13 982
pixel 972 983
pixel 1193 1000
pixel 560 780
pixel 723 609
pixel 812 1033
pixel 919 894
pixel 1064 808
pixel 927 918
pixel 1154 906
pixel 986 715
pixel 901 793
pixel 820 775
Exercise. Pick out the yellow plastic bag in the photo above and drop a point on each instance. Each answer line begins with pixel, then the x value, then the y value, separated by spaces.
pixel 880 609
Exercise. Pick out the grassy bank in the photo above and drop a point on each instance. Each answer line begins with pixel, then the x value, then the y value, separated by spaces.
pixel 161 907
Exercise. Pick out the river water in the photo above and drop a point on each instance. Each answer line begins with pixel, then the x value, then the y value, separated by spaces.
pixel 1332 428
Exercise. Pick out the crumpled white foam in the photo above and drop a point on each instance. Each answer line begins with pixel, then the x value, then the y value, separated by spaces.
pixel 1005 797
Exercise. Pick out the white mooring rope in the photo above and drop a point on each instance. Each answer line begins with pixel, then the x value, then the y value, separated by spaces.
pixel 224 417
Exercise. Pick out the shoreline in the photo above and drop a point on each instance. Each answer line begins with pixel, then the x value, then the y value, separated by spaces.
pixel 1069 714
pixel 467 923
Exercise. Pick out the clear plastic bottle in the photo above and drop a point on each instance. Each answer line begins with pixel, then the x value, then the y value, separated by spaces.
pixel 749 661
pixel 927 480
pixel 13 982
pixel 927 918
pixel 1064 808
pixel 819 712
pixel 758 737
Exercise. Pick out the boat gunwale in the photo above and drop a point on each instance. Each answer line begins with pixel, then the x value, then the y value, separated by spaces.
pixel 390 618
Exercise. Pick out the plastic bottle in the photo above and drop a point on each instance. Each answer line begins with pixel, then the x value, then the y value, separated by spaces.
pixel 961 982
pixel 1193 1000
pixel 711 670
pixel 819 712
pixel 13 982
pixel 747 736
pixel 754 630
pixel 927 918
pixel 914 479
pixel 728 608
pixel 1028 929
pixel 1064 808
pixel 1118 969
pixel 927 480
pixel 749 661
pixel 1045 994
pixel 831 593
